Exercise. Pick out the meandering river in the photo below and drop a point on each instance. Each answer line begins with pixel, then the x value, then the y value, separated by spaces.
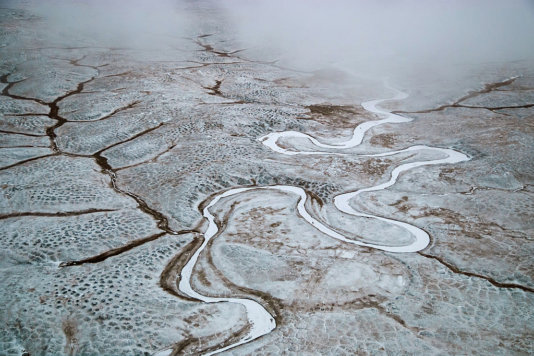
pixel 261 322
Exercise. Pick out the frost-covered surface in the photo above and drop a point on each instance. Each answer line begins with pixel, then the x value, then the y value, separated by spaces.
pixel 109 154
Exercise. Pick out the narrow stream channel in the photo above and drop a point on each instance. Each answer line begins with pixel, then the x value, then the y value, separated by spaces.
pixel 261 322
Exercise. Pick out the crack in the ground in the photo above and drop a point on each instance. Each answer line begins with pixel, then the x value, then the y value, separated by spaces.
pixel 110 115
pixel 28 114
pixel 396 318
pixel 119 250
pixel 53 105
pixel 161 219
pixel 54 114
pixel 56 214
pixel 246 60
pixel 493 108
pixel 206 64
pixel 5 91
pixel 495 283
pixel 153 159
pixel 209 48
pixel 23 146
pixel 117 75
pixel 21 133
pixel 103 161
pixel 238 102
pixel 457 104
pixel 168 278
pixel 28 160
pixel 216 88
pixel 474 189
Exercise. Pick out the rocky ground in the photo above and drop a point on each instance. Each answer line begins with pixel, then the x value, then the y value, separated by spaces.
pixel 108 155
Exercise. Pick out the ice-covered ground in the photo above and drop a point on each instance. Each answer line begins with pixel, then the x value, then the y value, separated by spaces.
pixel 174 200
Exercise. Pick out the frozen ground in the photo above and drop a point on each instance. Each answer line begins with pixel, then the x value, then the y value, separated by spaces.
pixel 122 231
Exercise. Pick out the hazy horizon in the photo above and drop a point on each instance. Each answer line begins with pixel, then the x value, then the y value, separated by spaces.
pixel 380 38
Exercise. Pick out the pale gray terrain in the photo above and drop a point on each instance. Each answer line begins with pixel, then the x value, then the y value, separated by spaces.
pixel 110 152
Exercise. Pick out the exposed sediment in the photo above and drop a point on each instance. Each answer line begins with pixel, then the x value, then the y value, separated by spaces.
pixel 199 201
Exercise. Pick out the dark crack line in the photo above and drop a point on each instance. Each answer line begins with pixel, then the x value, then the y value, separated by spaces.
pixel 238 102
pixel 366 303
pixel 113 252
pixel 27 160
pixel 103 161
pixel 20 133
pixel 215 89
pixel 150 160
pixel 110 115
pixel 27 114
pixel 456 270
pixel 487 88
pixel 474 189
pixel 57 214
pixel 204 64
pixel 5 91
pixel 76 62
pixel 526 106
pixel 54 113
pixel 162 221
pixel 119 250
pixel 24 146
pixel 209 48
pixel 117 75
pixel 53 106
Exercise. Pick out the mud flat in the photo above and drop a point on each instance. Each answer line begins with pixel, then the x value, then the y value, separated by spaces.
pixel 196 199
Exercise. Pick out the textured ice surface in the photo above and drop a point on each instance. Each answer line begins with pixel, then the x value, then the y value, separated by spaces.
pixel 12 155
pixel 57 239
pixel 35 125
pixel 114 307
pixel 12 106
pixel 48 80
pixel 55 184
pixel 108 156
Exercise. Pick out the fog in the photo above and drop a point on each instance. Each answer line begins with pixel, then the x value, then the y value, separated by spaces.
pixel 383 37
pixel 114 23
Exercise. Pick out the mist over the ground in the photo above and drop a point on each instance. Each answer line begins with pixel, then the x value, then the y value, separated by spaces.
pixel 385 36
pixel 115 23
pixel 364 38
